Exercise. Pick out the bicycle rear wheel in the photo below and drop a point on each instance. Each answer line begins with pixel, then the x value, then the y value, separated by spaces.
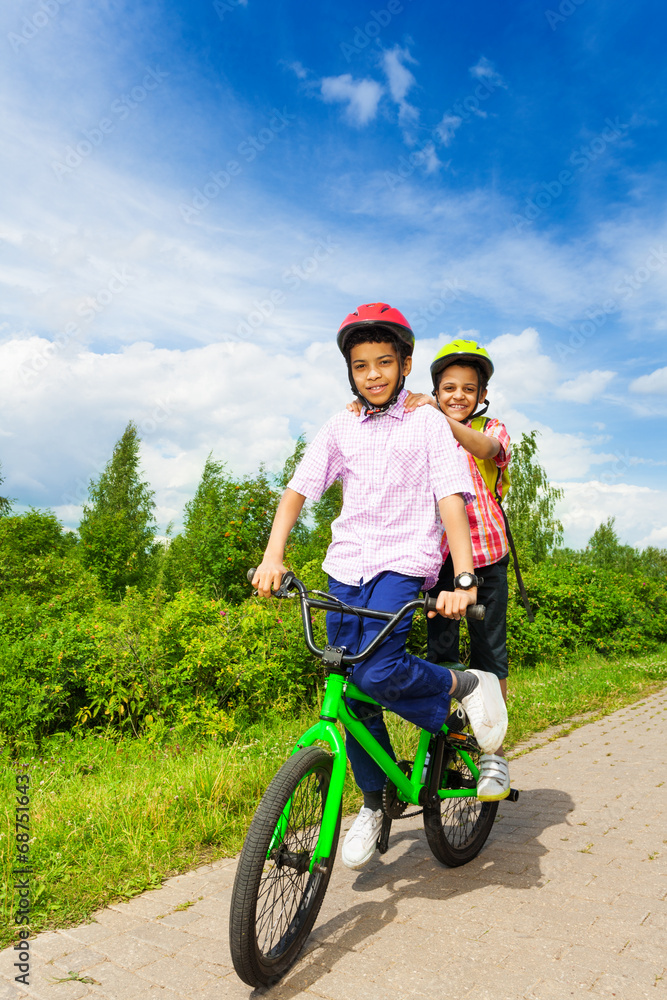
pixel 275 900
pixel 457 828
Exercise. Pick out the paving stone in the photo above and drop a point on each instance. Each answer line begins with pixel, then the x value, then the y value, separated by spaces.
pixel 185 978
pixel 77 959
pixel 44 983
pixel 169 939
pixel 116 922
pixel 50 945
pixel 8 991
pixel 180 919
pixel 130 952
pixel 213 953
pixel 214 928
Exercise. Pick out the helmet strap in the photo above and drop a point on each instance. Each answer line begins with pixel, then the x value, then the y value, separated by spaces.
pixel 480 413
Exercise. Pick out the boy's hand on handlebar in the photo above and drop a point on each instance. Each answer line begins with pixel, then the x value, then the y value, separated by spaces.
pixel 453 603
pixel 268 576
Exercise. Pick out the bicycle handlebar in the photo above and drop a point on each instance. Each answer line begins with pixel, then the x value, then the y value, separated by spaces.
pixel 474 611
pixel 289 582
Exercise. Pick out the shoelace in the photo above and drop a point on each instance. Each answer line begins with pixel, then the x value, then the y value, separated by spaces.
pixel 362 822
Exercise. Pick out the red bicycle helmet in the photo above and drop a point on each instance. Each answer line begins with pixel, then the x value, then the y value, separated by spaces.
pixel 376 314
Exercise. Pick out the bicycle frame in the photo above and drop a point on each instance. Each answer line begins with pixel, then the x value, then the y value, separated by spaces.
pixel 334 709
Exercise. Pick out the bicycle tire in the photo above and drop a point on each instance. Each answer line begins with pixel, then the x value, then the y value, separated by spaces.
pixel 457 828
pixel 274 905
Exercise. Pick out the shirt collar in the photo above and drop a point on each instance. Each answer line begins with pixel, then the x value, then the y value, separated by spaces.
pixel 397 410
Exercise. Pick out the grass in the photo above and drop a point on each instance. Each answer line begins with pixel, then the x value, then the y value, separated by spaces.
pixel 111 817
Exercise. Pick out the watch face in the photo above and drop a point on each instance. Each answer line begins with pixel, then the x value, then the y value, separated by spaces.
pixel 465 580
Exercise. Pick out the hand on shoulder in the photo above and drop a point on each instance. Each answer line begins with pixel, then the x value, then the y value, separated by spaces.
pixel 415 399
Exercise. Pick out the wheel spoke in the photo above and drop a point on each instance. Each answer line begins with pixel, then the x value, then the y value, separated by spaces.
pixel 283 891
pixel 457 827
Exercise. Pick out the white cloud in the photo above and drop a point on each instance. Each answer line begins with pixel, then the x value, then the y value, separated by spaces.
pixel 298 69
pixel 430 161
pixel 362 96
pixel 653 384
pixel 524 371
pixel 641 517
pixel 447 127
pixel 657 538
pixel 484 70
pixel 586 387
pixel 399 77
pixel 400 81
pixel 244 402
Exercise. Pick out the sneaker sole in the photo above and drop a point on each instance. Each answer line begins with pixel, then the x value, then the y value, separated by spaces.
pixel 494 798
pixel 360 864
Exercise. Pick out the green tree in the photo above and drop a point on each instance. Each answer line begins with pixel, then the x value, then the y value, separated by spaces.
pixel 604 551
pixel 531 502
pixel 35 554
pixel 5 502
pixel 227 525
pixel 118 525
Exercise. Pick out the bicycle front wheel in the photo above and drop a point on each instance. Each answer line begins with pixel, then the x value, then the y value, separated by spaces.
pixel 276 899
pixel 457 828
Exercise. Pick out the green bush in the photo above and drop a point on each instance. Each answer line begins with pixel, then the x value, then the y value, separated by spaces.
pixel 578 606
pixel 191 662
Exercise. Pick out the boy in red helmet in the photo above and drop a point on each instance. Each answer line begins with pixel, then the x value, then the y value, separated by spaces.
pixel 396 466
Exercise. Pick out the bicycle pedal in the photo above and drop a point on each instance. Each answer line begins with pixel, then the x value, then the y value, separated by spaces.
pixel 513 795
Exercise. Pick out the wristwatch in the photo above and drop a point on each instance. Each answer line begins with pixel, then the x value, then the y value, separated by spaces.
pixel 466 581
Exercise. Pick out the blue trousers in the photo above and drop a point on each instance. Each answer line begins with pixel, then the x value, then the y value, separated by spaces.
pixel 413 688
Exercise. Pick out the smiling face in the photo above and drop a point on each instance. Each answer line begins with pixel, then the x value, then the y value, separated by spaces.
pixel 457 391
pixel 376 370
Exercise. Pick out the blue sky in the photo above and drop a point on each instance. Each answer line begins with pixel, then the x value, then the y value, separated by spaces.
pixel 195 195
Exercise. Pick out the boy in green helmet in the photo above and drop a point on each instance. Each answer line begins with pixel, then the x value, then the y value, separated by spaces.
pixel 460 372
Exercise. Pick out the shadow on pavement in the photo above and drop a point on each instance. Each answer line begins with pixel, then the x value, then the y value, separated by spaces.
pixel 510 859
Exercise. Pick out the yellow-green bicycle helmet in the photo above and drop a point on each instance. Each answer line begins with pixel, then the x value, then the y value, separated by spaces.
pixel 461 352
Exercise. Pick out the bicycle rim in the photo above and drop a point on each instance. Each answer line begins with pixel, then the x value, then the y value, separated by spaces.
pixel 276 899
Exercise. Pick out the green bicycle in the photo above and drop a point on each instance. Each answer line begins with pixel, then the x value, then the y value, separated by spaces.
pixel 288 854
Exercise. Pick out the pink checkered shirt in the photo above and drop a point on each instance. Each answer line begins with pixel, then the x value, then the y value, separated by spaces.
pixel 394 467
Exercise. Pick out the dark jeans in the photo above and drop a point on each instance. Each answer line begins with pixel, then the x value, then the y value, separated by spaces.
pixel 488 639
pixel 413 688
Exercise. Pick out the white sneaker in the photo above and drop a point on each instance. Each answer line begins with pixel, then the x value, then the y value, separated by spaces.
pixel 361 840
pixel 494 778
pixel 486 711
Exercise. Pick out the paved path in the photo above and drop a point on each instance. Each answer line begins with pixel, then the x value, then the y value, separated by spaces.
pixel 568 899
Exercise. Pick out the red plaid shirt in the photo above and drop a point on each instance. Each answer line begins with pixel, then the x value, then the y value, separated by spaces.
pixel 487 525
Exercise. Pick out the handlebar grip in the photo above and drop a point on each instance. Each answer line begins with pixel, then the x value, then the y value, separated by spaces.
pixel 285 582
pixel 474 611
